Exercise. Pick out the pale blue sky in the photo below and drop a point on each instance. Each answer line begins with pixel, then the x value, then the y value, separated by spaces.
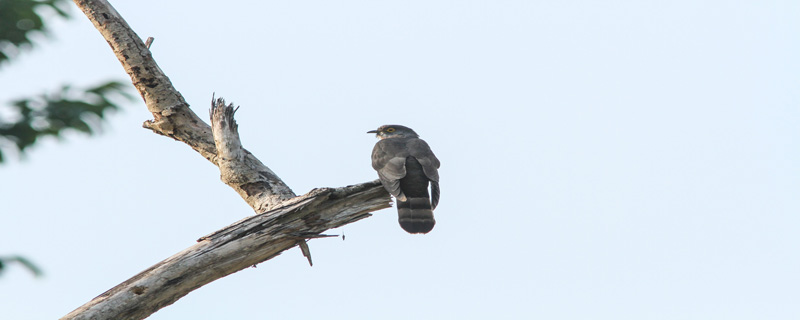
pixel 614 160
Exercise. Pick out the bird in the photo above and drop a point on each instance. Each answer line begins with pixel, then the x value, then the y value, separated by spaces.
pixel 406 167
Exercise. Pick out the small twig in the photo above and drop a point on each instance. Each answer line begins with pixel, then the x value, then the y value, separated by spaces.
pixel 306 235
pixel 302 242
pixel 306 251
pixel 148 42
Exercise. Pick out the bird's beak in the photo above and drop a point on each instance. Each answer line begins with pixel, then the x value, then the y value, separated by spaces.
pixel 372 131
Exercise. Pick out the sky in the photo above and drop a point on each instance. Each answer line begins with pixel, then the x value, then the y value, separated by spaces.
pixel 600 159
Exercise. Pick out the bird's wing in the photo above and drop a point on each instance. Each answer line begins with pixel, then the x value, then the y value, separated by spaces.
pixel 434 194
pixel 419 149
pixel 389 159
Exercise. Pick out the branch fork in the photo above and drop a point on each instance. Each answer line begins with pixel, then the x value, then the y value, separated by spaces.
pixel 283 220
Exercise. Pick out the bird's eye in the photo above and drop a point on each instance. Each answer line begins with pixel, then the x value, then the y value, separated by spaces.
pixel 389 129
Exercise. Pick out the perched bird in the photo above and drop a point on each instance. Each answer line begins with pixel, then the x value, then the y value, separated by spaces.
pixel 405 165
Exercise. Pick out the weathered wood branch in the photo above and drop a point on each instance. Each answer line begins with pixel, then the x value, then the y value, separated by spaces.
pixel 239 169
pixel 285 220
pixel 234 248
pixel 262 189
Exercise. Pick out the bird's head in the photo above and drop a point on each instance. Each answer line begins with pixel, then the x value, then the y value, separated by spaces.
pixel 394 131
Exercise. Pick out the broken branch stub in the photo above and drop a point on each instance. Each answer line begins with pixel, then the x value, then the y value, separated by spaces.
pixel 261 188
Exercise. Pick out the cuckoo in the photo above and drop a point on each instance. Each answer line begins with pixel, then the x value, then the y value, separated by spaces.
pixel 406 165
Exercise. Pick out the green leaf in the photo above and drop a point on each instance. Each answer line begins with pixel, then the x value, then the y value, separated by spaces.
pixel 65 109
pixel 19 19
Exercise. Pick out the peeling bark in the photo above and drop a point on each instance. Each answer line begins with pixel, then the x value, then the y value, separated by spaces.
pixel 238 246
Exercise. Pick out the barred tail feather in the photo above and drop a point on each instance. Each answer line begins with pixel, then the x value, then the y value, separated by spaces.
pixel 415 215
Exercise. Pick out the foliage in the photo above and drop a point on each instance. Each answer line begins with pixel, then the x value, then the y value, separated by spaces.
pixel 19 20
pixel 26 120
pixel 22 261
pixel 51 114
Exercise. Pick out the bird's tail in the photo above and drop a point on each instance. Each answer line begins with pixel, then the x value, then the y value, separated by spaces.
pixel 416 215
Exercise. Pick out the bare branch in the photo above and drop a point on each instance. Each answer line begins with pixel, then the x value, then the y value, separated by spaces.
pixel 238 246
pixel 255 182
pixel 172 116
pixel 286 221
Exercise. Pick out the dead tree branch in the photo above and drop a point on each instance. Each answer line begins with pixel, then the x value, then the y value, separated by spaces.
pixel 171 114
pixel 284 220
pixel 234 248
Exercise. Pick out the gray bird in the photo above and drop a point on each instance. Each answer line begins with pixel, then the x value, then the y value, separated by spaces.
pixel 405 165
